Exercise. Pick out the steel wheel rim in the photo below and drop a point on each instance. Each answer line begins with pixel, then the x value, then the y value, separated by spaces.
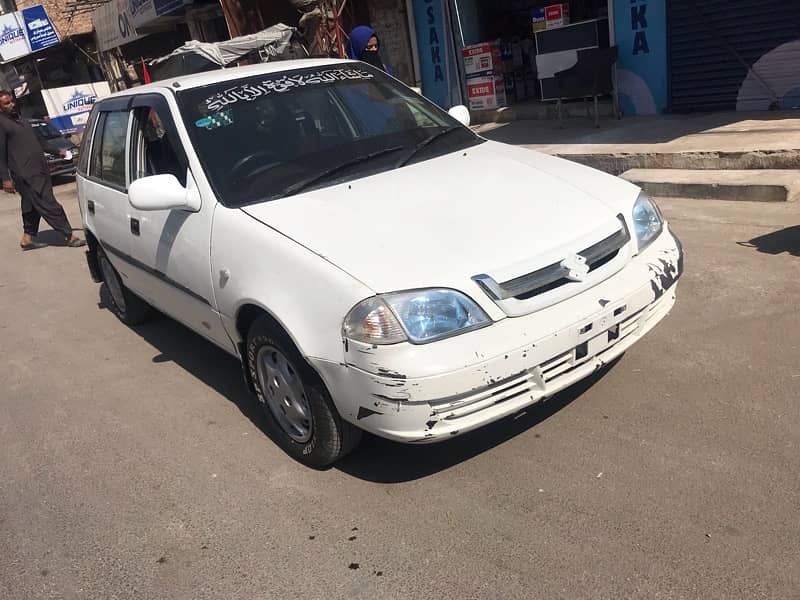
pixel 113 283
pixel 284 393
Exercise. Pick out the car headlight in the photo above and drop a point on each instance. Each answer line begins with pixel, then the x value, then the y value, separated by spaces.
pixel 647 221
pixel 419 317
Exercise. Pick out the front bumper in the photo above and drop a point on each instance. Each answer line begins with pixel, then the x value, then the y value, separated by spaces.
pixel 62 166
pixel 436 391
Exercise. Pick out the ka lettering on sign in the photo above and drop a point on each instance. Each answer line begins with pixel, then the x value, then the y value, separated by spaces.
pixel 639 27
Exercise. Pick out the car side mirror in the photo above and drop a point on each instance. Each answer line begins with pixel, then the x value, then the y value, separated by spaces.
pixel 461 114
pixel 164 192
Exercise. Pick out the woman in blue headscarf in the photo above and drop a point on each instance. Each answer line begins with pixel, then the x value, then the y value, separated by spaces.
pixel 365 45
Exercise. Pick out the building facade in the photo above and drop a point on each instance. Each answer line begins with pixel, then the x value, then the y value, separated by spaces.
pixel 673 55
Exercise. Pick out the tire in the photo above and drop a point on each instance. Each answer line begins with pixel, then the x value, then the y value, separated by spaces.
pixel 301 416
pixel 129 308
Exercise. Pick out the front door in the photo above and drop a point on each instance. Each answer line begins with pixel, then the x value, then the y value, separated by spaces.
pixel 173 245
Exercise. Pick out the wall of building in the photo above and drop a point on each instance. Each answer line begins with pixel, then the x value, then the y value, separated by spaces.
pixel 389 19
pixel 64 23
pixel 249 16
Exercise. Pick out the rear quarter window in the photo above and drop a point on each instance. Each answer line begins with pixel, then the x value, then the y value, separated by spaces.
pixel 86 143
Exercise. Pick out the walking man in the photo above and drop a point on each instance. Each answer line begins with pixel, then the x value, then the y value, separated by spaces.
pixel 23 168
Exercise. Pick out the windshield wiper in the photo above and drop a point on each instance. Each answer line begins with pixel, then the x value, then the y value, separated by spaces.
pixel 427 141
pixel 308 182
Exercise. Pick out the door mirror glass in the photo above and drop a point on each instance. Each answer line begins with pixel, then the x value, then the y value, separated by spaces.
pixel 162 192
pixel 461 114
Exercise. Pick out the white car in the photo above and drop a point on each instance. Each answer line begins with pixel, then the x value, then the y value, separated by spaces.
pixel 373 263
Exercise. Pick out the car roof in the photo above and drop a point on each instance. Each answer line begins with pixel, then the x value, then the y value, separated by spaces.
pixel 221 75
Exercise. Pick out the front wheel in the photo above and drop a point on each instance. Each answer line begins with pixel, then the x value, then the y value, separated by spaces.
pixel 300 413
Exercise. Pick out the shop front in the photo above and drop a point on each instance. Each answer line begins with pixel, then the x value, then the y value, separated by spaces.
pixel 48 64
pixel 130 33
pixel 727 55
pixel 671 56
pixel 493 55
pixel 682 56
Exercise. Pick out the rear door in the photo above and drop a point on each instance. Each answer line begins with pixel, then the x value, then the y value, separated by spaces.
pixel 173 245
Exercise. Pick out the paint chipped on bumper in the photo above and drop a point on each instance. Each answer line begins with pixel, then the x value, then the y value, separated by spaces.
pixel 423 394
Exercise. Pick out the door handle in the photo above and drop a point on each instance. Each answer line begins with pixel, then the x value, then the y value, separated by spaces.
pixel 134 226
pixel 90 206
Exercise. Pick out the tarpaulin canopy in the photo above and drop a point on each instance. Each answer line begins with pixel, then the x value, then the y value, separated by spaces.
pixel 270 42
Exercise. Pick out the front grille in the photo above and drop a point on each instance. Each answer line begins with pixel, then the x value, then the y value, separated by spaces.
pixel 555 275
pixel 538 380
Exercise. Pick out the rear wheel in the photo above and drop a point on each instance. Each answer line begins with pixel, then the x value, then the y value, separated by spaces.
pixel 129 308
pixel 300 413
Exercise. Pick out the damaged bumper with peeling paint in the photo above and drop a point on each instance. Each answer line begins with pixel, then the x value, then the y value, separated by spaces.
pixel 428 393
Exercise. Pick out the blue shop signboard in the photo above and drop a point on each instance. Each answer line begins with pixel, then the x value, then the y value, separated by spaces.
pixel 39 28
pixel 640 27
pixel 439 71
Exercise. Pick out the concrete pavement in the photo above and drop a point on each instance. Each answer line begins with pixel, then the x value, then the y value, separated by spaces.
pixel 728 156
pixel 661 134
pixel 133 464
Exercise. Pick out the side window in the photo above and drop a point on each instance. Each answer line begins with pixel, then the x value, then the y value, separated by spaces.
pixel 88 132
pixel 108 149
pixel 154 150
pixel 115 131
pixel 94 163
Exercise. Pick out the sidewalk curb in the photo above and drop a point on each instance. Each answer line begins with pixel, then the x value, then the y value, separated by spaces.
pixel 617 163
pixel 766 185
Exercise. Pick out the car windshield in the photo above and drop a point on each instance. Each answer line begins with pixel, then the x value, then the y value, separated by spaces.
pixel 275 135
pixel 45 130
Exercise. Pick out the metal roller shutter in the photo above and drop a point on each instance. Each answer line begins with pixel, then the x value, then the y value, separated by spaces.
pixel 733 54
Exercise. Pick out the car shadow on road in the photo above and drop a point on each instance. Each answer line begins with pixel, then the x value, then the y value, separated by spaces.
pixel 376 459
pixel 382 461
pixel 199 357
pixel 777 242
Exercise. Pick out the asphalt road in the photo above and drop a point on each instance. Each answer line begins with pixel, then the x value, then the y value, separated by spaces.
pixel 133 463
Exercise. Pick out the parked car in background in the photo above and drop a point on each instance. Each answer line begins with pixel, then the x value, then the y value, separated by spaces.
pixel 59 150
pixel 373 263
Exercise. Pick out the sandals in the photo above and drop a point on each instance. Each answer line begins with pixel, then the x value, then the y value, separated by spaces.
pixel 73 243
pixel 32 246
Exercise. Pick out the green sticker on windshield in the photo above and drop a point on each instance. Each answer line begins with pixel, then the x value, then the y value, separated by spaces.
pixel 215 121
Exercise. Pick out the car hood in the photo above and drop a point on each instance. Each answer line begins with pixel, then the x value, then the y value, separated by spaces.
pixel 55 145
pixel 492 209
